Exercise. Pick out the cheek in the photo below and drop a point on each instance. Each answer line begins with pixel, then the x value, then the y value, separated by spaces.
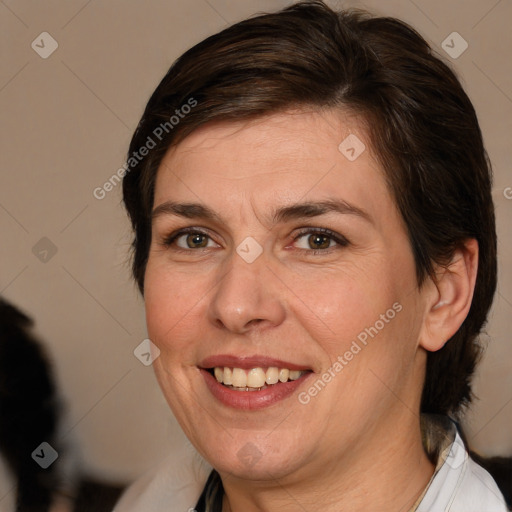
pixel 173 302
pixel 339 306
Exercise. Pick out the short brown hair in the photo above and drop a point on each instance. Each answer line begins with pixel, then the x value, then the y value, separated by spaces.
pixel 422 128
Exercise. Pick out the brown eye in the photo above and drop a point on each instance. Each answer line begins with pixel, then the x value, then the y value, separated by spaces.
pixel 318 241
pixel 195 240
pixel 187 239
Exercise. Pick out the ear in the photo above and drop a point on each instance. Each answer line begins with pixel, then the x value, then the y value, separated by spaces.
pixel 448 299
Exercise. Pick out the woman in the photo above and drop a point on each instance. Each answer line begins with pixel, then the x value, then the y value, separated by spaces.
pixel 315 244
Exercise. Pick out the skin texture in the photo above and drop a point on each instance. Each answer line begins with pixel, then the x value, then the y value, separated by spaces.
pixel 356 445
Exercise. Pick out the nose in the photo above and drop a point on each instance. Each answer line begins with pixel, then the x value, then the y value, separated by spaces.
pixel 248 297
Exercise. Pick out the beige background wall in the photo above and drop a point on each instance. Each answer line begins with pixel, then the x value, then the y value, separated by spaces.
pixel 65 126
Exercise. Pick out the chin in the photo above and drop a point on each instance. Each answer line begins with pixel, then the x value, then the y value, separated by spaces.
pixel 253 460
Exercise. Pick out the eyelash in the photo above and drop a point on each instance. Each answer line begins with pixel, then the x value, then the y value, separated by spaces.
pixel 340 240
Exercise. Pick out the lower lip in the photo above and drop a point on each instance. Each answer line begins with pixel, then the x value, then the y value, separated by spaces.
pixel 251 400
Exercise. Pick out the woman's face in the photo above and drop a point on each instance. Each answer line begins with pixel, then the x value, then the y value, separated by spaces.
pixel 296 259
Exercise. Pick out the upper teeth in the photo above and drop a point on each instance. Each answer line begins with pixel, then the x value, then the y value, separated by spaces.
pixel 254 378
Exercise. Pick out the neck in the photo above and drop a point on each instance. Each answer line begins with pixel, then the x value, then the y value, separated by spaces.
pixel 387 471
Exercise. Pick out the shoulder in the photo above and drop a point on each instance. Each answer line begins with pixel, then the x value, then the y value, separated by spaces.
pixel 478 490
pixel 462 485
pixel 177 483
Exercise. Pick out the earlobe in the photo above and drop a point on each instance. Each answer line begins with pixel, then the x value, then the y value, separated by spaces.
pixel 449 300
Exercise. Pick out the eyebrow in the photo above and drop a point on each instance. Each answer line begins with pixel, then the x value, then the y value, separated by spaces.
pixel 306 209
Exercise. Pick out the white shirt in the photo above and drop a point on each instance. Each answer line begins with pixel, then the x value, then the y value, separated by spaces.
pixel 458 485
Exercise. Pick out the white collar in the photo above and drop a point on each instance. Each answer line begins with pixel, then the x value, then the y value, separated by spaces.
pixel 459 484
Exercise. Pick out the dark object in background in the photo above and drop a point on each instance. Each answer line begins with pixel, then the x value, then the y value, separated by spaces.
pixel 94 496
pixel 30 413
pixel 29 409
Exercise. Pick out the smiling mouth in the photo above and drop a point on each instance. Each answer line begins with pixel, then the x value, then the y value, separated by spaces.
pixel 254 379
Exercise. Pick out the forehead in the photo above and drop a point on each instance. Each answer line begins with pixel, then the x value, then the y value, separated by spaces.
pixel 300 132
pixel 286 156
